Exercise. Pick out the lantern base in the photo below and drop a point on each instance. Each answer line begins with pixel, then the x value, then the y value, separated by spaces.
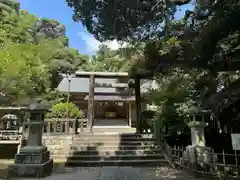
pixel 30 170
pixel 31 162
pixel 32 149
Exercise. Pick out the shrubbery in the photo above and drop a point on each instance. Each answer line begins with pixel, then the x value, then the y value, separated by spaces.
pixel 64 110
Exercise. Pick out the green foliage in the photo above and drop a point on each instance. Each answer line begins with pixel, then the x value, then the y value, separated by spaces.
pixel 121 20
pixel 9 5
pixel 22 73
pixel 17 27
pixel 52 97
pixel 64 110
pixel 174 97
pixel 34 52
pixel 50 29
pixel 107 60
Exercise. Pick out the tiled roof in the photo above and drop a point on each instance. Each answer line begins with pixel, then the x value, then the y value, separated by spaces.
pixel 81 85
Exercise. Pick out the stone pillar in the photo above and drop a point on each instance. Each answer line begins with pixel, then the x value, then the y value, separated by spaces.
pixel 33 160
pixel 130 114
pixel 138 104
pixel 91 103
pixel 197 132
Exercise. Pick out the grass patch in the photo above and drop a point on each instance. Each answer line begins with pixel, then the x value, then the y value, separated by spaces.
pixel 58 165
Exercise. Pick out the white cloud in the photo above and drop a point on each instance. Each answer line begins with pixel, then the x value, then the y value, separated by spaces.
pixel 114 44
pixel 93 44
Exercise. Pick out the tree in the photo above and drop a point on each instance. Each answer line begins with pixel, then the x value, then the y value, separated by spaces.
pixel 121 19
pixel 18 27
pixel 46 28
pixel 9 5
pixel 209 42
pixel 28 77
pixel 108 60
pixel 34 52
pixel 65 61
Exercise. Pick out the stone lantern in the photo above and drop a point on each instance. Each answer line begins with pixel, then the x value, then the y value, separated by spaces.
pixel 197 125
pixel 33 159
pixel 197 152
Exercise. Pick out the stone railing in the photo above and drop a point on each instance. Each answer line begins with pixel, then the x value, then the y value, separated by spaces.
pixel 51 126
pixel 10 136
pixel 64 126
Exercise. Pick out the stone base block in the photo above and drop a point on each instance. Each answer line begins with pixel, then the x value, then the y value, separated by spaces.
pixel 31 149
pixel 30 170
pixel 32 158
pixel 198 154
pixel 204 154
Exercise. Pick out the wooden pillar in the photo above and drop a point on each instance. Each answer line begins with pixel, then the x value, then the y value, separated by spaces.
pixel 138 104
pixel 91 103
pixel 129 114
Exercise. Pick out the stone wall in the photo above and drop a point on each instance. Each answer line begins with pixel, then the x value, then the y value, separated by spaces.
pixel 58 145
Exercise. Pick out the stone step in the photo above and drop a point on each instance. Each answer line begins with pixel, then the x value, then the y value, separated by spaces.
pixel 113 139
pixel 148 162
pixel 112 130
pixel 110 138
pixel 116 136
pixel 114 157
pixel 115 152
pixel 109 147
pixel 104 152
pixel 92 143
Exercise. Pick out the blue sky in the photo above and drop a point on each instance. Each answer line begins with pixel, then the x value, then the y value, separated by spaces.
pixel 79 37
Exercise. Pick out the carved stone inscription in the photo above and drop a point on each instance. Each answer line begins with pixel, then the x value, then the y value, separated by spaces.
pixel 32 159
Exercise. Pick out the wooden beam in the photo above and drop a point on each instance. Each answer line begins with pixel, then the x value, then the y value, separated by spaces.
pixel 138 104
pixel 101 74
pixel 91 103
pixel 115 85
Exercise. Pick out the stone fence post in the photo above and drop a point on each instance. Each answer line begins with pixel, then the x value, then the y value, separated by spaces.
pixel 33 159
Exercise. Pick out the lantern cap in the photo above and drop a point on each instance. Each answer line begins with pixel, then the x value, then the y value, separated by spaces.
pixel 36 105
pixel 197 110
pixel 195 124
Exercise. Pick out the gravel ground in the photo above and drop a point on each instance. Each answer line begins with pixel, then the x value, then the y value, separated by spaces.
pixel 118 173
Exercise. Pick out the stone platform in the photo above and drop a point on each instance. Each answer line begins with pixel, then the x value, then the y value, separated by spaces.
pixel 31 170
pixel 118 173
pixel 32 161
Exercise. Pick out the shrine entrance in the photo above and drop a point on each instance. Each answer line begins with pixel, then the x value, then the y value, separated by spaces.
pixel 111 113
pixel 110 100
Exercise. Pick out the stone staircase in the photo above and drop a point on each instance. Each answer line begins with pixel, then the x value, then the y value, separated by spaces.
pixel 114 150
